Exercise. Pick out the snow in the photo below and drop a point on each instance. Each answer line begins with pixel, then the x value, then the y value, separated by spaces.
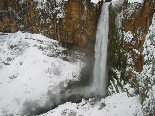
pixel 116 105
pixel 132 7
pixel 28 72
pixel 128 36
pixel 95 1
pixel 139 1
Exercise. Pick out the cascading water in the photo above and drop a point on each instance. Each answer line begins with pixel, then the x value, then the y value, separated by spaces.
pixel 100 69
pixel 98 87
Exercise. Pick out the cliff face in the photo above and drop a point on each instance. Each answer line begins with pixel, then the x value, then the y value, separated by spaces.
pixel 79 24
pixel 138 23
pixel 128 28
pixel 72 22
pixel 129 25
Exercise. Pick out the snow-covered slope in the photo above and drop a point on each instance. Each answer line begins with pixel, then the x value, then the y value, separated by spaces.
pixel 31 68
pixel 119 104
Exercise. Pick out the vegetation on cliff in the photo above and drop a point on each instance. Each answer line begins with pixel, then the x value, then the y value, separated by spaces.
pixel 129 26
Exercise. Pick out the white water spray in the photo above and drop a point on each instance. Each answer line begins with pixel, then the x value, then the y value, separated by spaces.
pixel 100 69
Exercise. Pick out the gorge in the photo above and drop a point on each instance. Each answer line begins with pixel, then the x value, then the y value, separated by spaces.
pixel 106 48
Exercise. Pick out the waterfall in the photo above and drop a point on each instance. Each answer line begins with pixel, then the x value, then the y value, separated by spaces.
pixel 99 84
pixel 100 69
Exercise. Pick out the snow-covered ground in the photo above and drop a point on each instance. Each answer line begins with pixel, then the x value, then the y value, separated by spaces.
pixel 30 67
pixel 120 104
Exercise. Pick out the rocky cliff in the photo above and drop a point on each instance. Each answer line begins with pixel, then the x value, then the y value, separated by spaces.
pixel 129 25
pixel 72 22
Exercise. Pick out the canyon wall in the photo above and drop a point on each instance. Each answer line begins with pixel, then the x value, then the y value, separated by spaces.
pixel 129 25
pixel 73 22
